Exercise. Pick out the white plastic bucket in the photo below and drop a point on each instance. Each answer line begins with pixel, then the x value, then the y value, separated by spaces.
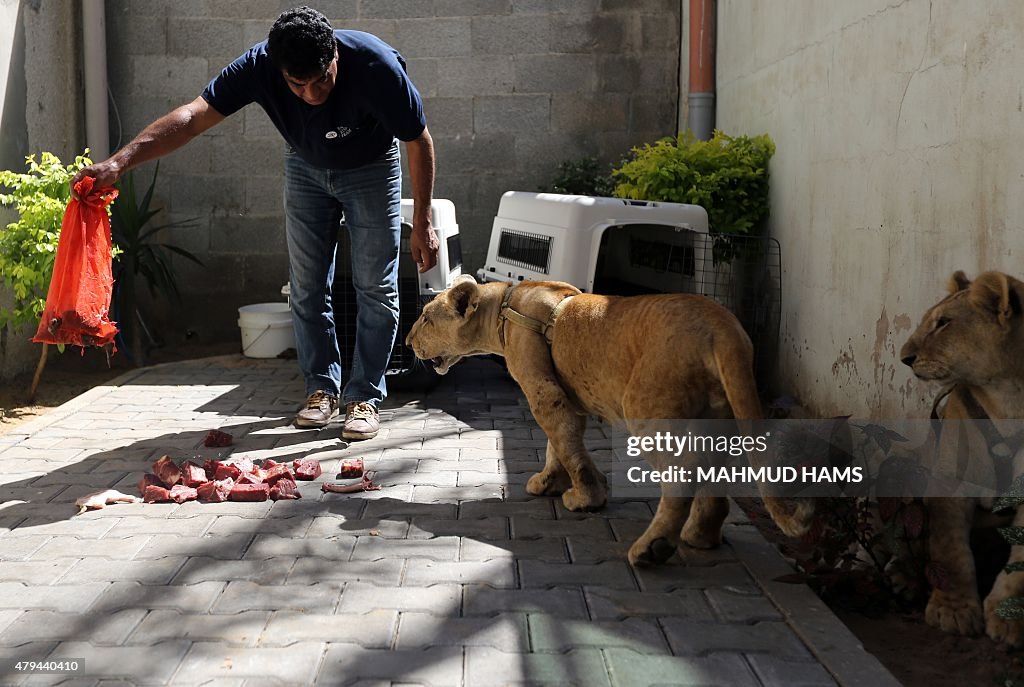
pixel 267 329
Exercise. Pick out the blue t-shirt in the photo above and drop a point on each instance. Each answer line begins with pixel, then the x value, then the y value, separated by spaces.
pixel 372 102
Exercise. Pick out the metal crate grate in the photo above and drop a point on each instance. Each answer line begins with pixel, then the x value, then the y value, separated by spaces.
pixel 742 273
pixel 525 250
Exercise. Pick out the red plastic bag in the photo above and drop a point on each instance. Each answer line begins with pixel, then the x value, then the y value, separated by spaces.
pixel 78 301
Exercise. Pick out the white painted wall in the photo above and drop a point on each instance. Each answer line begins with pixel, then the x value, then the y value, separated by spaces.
pixel 899 129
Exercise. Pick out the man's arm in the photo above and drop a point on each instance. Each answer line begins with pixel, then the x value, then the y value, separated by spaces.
pixel 165 135
pixel 423 242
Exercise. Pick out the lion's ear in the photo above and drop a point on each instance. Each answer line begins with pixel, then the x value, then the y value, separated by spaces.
pixel 464 297
pixel 958 282
pixel 995 292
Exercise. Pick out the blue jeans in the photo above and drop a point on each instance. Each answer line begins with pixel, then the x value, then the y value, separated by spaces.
pixel 314 201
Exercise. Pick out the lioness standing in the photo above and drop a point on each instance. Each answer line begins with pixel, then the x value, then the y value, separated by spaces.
pixel 973 342
pixel 624 360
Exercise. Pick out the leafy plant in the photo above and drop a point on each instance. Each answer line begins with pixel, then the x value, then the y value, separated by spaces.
pixel 28 247
pixel 727 175
pixel 583 177
pixel 142 255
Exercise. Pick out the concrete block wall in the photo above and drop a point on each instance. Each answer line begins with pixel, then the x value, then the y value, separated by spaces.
pixel 511 88
pixel 897 128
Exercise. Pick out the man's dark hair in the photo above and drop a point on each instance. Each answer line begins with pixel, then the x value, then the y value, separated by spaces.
pixel 301 42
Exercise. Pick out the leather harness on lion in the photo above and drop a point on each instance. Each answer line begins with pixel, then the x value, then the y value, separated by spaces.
pixel 972 342
pixel 621 359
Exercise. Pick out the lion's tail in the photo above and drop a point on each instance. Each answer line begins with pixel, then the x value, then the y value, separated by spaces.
pixel 793 516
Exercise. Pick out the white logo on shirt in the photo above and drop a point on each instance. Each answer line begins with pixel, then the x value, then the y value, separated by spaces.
pixel 338 132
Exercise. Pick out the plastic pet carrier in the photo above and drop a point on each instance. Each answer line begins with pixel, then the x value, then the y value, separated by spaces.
pixel 627 247
pixel 405 371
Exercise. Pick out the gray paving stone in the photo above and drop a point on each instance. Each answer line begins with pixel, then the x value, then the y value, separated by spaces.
pixel 20 548
pixel 183 527
pixel 337 548
pixel 351 663
pixel 740 606
pixel 496 573
pixel 553 550
pixel 101 569
pixel 538 508
pixel 628 668
pixel 370 630
pixel 73 547
pixel 229 546
pixel 479 528
pixel 296 664
pixel 438 548
pixel 454 494
pixel 237 629
pixel 395 509
pixel 529 528
pixel 422 630
pixel 263 571
pixel 51 626
pixel 52 519
pixel 192 598
pixel 486 666
pixel 72 598
pixel 606 604
pixel 610 574
pixel 558 635
pixel 676 575
pixel 243 596
pixel 384 572
pixel 694 637
pixel 36 572
pixel 155 665
pixel 233 524
pixel 777 672
pixel 255 511
pixel 440 599
pixel 560 603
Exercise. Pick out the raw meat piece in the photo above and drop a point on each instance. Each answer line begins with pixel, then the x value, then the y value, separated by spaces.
pixel 351 468
pixel 217 438
pixel 104 497
pixel 149 480
pixel 254 476
pixel 269 463
pixel 307 468
pixel 227 470
pixel 284 489
pixel 365 484
pixel 180 493
pixel 216 491
pixel 167 471
pixel 210 466
pixel 192 475
pixel 249 492
pixel 156 494
pixel 277 472
pixel 244 464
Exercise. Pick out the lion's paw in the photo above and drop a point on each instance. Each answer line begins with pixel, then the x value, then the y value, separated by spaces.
pixel 957 613
pixel 701 538
pixel 548 483
pixel 576 500
pixel 1009 632
pixel 643 554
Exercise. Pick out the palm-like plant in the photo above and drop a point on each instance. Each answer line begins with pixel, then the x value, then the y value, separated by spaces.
pixel 141 254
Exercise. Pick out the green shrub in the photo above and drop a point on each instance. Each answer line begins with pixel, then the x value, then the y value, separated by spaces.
pixel 583 177
pixel 727 176
pixel 28 246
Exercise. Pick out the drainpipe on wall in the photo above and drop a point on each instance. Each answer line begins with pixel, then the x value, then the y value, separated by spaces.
pixel 701 102
pixel 94 39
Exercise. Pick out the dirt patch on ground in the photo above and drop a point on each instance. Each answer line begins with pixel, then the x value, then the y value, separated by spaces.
pixel 917 654
pixel 73 372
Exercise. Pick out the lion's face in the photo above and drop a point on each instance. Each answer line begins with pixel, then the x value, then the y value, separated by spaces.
pixel 967 336
pixel 445 331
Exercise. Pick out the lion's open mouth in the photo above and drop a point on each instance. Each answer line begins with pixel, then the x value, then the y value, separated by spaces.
pixel 443 363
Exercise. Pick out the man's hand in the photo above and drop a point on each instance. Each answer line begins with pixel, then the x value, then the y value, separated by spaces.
pixel 106 174
pixel 424 244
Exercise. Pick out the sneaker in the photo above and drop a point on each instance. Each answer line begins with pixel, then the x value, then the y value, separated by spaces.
pixel 320 408
pixel 361 421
